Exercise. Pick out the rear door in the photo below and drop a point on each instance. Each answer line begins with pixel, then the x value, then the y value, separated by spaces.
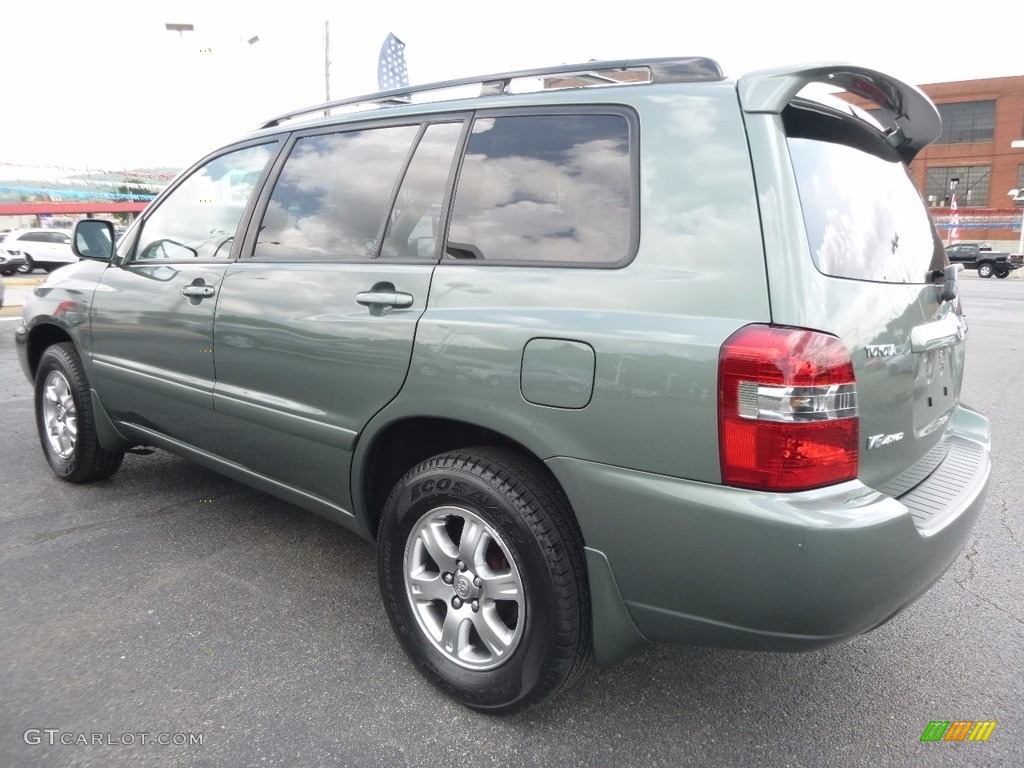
pixel 869 269
pixel 869 231
pixel 315 324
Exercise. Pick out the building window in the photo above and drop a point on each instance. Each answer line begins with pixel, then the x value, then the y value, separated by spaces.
pixel 971 188
pixel 1019 200
pixel 967 121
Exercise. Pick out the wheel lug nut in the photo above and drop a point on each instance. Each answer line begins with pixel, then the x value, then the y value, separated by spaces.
pixel 475 605
pixel 461 565
pixel 477 582
pixel 447 578
pixel 456 602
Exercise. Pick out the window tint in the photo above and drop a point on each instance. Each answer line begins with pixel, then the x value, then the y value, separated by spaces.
pixel 60 237
pixel 35 237
pixel 200 217
pixel 331 198
pixel 545 188
pixel 413 226
pixel 864 217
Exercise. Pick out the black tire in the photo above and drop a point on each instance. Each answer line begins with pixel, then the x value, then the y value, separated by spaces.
pixel 527 543
pixel 28 266
pixel 65 420
pixel 1001 273
pixel 985 270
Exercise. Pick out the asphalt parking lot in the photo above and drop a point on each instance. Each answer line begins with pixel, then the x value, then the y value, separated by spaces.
pixel 171 617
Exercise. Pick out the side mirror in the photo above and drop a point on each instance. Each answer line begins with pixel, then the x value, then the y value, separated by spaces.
pixel 93 239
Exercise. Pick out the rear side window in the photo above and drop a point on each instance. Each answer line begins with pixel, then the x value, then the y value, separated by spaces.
pixel 333 193
pixel 554 189
pixel 865 219
pixel 414 223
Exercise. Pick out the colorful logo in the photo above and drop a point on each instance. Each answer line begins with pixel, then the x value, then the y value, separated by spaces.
pixel 958 730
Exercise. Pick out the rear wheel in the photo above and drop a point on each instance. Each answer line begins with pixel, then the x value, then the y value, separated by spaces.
pixel 483 578
pixel 985 270
pixel 65 419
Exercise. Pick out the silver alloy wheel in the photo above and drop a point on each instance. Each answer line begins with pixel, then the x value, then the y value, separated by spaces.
pixel 464 588
pixel 60 415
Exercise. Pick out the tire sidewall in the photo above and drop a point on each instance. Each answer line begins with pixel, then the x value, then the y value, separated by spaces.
pixel 516 678
pixel 54 359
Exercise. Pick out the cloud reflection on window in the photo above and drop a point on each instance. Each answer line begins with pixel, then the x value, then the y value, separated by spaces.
pixel 552 188
pixel 333 194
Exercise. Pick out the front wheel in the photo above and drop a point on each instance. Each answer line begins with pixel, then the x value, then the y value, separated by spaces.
pixel 1001 273
pixel 985 270
pixel 65 419
pixel 483 578
pixel 28 266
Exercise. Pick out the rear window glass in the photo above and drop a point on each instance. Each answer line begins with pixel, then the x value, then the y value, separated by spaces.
pixel 864 217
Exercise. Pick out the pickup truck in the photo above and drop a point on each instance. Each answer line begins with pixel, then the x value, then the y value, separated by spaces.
pixel 982 258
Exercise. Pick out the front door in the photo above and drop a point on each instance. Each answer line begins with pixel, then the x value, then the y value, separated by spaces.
pixel 152 315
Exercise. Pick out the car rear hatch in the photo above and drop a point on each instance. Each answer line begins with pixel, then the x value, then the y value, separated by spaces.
pixel 851 252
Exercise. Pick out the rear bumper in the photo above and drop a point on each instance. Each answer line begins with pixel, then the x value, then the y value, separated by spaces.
pixel 709 565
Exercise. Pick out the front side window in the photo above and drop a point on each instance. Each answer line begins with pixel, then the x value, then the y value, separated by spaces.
pixel 333 193
pixel 200 217
pixel 554 189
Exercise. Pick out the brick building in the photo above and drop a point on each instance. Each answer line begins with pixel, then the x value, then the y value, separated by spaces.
pixel 980 118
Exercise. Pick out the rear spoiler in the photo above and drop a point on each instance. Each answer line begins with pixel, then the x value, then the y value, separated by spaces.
pixel 917 120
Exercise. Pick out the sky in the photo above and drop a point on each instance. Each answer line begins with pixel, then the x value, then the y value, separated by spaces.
pixel 103 84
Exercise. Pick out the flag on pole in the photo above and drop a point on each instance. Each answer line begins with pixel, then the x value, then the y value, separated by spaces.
pixel 391 69
pixel 954 221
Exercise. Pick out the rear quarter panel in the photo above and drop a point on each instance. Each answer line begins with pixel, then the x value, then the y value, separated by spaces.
pixel 655 325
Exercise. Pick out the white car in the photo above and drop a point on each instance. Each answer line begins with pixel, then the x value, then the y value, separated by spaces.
pixel 45 249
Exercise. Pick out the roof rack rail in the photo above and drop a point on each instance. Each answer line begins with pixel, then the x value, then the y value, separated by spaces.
pixel 662 70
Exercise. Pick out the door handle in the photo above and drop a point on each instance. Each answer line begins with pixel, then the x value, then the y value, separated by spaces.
pixel 198 291
pixel 383 298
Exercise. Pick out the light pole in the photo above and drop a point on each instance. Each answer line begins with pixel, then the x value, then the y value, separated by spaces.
pixel 1018 195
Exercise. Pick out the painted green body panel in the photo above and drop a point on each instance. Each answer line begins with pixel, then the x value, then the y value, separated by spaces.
pixel 706 564
pixel 152 347
pixel 302 367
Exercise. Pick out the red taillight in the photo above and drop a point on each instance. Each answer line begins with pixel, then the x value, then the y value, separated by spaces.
pixel 787 409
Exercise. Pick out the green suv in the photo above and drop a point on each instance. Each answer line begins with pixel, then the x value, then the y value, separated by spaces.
pixel 599 356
